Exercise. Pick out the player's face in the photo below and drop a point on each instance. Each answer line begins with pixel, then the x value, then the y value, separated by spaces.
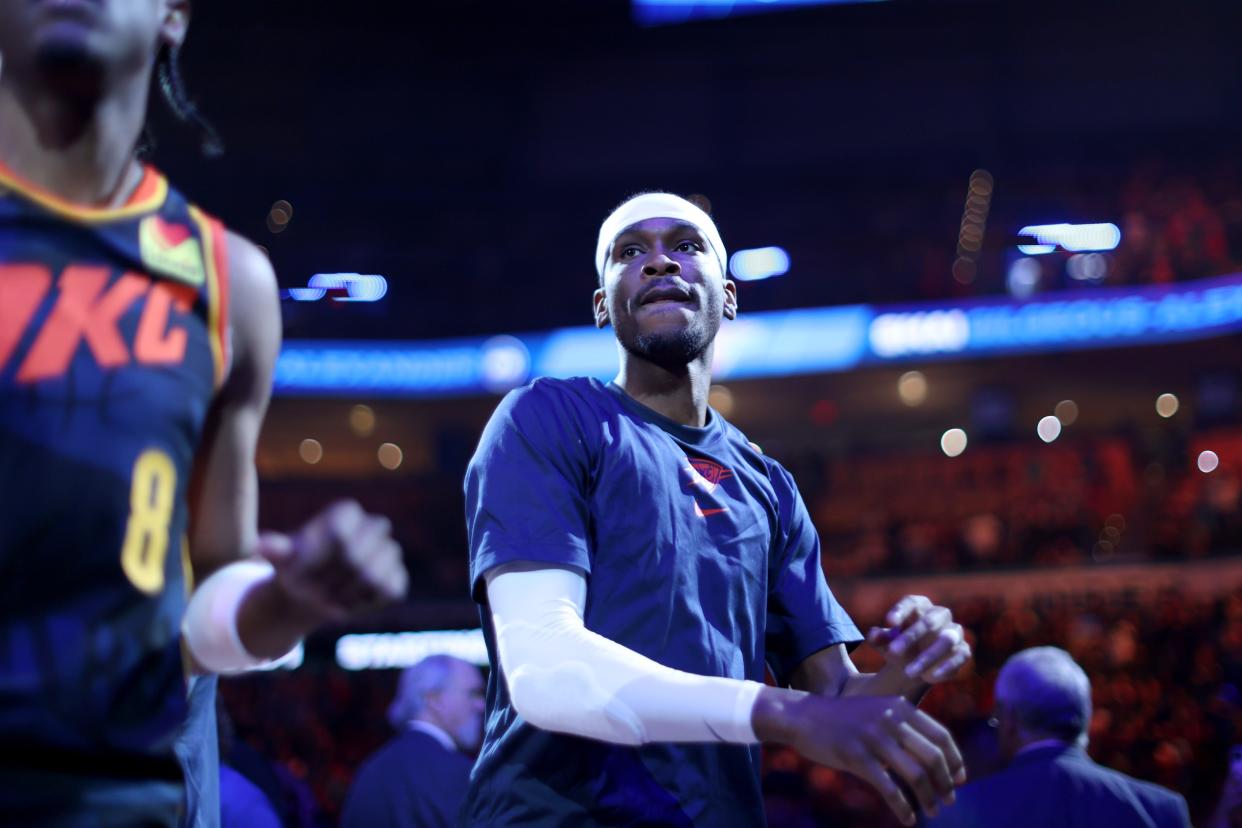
pixel 70 40
pixel 664 293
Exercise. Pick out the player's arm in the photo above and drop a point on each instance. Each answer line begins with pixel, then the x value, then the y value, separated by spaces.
pixel 566 678
pixel 922 646
pixel 264 594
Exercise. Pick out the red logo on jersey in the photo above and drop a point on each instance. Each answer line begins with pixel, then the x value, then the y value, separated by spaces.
pixel 88 309
pixel 171 250
pixel 169 235
pixel 704 476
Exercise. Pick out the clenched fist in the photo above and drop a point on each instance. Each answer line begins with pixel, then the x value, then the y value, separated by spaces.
pixel 340 562
pixel 923 639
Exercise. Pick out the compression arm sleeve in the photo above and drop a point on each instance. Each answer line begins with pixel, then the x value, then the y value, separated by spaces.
pixel 563 677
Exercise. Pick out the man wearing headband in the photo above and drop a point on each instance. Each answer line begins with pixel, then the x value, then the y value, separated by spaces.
pixel 637 563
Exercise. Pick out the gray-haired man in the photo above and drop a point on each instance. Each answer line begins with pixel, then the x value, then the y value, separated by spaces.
pixel 1043 710
pixel 418 779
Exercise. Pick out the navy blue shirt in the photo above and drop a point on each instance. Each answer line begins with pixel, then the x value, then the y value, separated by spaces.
pixel 699 554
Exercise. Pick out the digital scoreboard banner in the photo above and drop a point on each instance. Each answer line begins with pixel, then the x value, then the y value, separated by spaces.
pixel 661 12
pixel 781 343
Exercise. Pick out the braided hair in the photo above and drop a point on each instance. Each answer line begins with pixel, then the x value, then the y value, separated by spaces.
pixel 177 99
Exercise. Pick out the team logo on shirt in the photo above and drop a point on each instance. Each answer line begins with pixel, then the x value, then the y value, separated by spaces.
pixel 705 476
pixel 87 310
pixel 171 249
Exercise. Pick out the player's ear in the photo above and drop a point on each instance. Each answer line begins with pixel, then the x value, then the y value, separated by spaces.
pixel 730 299
pixel 175 23
pixel 601 308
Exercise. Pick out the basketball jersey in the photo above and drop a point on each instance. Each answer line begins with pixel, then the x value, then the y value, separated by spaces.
pixel 113 342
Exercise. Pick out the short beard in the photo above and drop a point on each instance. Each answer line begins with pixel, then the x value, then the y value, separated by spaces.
pixel 672 350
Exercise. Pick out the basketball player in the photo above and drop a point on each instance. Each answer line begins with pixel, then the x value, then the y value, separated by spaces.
pixel 137 343
pixel 637 561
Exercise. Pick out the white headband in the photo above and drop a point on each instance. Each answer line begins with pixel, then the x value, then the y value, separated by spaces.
pixel 656 205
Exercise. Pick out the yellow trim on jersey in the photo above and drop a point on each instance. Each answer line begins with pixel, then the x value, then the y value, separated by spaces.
pixel 187 575
pixel 187 567
pixel 144 202
pixel 215 334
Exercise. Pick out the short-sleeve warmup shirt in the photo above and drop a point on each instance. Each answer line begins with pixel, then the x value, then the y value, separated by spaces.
pixel 699 554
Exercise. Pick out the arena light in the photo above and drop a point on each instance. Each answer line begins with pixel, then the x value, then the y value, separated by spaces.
pixel 306 294
pixel 504 363
pixel 953 442
pixel 759 263
pixel 912 388
pixel 279 216
pixel 390 456
pixel 1049 429
pixel 1167 405
pixel 974 224
pixel 1024 276
pixel 379 651
pixel 362 420
pixel 310 450
pixel 658 12
pixel 357 287
pixel 780 343
pixel 1087 267
pixel 929 332
pixel 1076 238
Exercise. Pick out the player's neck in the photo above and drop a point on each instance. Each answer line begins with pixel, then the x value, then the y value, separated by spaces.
pixel 680 395
pixel 80 150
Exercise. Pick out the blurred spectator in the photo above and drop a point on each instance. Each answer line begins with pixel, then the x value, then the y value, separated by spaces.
pixel 242 804
pixel 418 779
pixel 1167 672
pixel 1141 257
pixel 1196 234
pixel 1042 710
pixel 253 791
pixel 1167 705
pixel 1228 811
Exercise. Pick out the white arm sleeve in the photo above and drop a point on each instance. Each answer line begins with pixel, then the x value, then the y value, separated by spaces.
pixel 563 677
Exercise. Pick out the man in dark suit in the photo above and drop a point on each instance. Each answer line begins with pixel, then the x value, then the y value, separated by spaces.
pixel 1043 708
pixel 418 779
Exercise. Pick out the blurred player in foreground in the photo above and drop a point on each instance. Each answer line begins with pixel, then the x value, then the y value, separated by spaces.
pixel 137 343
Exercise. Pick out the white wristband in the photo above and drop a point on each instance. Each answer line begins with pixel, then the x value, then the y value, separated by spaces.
pixel 210 625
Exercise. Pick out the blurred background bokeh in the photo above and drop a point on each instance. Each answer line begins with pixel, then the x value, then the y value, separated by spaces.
pixel 1069 475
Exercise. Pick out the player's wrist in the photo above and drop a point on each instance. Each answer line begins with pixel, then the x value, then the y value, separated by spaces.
pixel 893 680
pixel 772 717
pixel 216 625
pixel 273 618
pixel 912 689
